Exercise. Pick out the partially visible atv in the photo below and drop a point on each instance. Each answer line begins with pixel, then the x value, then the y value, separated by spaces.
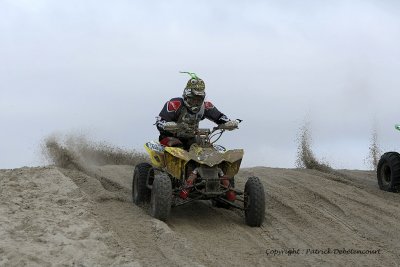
pixel 210 168
pixel 388 171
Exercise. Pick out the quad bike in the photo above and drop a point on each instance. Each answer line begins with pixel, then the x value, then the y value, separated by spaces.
pixel 203 172
pixel 388 171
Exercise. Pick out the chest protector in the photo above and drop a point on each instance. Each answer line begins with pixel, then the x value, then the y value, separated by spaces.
pixel 192 119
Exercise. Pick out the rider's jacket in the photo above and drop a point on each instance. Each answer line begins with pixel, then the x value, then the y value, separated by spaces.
pixel 176 111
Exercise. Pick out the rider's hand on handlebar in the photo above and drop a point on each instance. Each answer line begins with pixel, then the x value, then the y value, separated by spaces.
pixel 230 125
pixel 171 126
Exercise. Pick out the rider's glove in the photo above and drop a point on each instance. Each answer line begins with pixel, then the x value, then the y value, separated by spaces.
pixel 230 125
pixel 171 126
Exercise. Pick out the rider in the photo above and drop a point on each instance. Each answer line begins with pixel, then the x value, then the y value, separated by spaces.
pixel 181 115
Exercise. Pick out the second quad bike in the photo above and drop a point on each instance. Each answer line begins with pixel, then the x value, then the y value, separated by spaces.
pixel 206 171
pixel 388 171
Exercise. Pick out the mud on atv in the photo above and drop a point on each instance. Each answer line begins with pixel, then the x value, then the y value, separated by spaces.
pixel 204 172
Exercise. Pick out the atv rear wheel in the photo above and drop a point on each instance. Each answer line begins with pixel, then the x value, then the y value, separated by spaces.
pixel 143 173
pixel 388 171
pixel 161 197
pixel 254 202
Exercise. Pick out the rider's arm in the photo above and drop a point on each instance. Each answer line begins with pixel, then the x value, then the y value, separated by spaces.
pixel 213 114
pixel 168 113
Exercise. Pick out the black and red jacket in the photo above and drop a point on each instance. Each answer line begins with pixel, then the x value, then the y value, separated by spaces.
pixel 174 108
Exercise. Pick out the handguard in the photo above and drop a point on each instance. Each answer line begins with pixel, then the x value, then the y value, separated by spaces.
pixel 230 125
pixel 171 126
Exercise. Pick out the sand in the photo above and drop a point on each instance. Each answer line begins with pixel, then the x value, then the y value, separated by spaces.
pixel 52 216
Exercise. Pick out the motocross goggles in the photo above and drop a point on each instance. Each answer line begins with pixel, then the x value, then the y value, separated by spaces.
pixel 195 100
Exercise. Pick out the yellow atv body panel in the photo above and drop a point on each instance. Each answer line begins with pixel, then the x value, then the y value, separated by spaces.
pixel 174 159
pixel 156 153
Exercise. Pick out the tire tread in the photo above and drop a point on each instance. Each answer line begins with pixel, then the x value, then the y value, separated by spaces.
pixel 162 188
pixel 393 161
pixel 142 170
pixel 255 213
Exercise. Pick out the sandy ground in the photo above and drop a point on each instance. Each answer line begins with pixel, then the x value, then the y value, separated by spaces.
pixel 52 216
pixel 46 220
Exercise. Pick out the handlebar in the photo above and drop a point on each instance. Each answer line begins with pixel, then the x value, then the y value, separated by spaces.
pixel 224 127
pixel 182 129
pixel 206 134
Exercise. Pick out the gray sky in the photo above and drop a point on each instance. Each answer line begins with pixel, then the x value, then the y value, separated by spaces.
pixel 105 69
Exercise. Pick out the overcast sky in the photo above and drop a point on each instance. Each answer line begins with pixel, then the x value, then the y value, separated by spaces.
pixel 105 69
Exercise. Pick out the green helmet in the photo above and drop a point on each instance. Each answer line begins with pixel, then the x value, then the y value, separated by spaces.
pixel 194 93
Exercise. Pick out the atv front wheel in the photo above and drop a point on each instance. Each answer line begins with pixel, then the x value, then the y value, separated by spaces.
pixel 143 173
pixel 254 202
pixel 388 171
pixel 161 197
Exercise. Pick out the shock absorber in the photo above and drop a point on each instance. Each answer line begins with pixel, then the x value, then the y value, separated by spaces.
pixel 184 193
pixel 225 181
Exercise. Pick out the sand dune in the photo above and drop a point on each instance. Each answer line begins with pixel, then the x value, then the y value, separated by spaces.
pixel 56 216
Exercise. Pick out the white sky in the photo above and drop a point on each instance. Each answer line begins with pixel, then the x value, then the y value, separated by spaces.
pixel 105 68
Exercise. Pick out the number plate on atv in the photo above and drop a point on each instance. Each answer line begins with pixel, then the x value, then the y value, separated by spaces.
pixel 155 146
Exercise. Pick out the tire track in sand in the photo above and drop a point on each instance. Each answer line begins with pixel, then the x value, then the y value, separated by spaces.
pixel 305 209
